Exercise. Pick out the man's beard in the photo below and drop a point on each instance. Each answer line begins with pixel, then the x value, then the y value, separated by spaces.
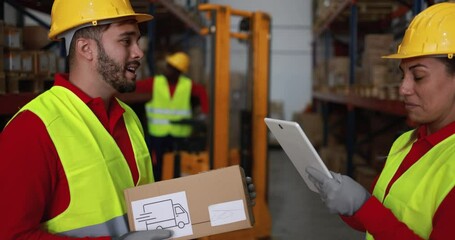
pixel 113 73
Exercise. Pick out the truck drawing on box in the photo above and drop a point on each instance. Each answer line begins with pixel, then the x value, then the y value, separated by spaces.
pixel 163 214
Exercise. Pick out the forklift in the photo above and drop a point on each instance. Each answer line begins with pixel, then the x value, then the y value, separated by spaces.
pixel 209 148
pixel 252 155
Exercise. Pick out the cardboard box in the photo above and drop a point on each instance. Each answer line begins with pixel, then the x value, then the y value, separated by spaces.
pixel 379 41
pixel 2 83
pixel 12 61
pixel 193 206
pixel 13 37
pixel 312 125
pixel 35 37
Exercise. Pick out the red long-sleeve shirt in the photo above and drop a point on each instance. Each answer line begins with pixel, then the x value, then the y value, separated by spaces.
pixel 197 90
pixel 32 180
pixel 382 223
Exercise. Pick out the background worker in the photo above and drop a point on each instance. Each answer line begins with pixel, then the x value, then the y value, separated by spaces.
pixel 173 98
pixel 68 155
pixel 414 196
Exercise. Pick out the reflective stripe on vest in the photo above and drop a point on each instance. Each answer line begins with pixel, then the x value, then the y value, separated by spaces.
pixel 162 108
pixel 417 194
pixel 94 165
pixel 182 113
pixel 114 227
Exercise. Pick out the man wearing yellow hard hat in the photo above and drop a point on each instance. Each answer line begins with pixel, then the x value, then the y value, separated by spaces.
pixel 414 196
pixel 68 155
pixel 170 105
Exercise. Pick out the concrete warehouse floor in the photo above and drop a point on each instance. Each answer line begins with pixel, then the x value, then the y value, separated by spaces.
pixel 297 212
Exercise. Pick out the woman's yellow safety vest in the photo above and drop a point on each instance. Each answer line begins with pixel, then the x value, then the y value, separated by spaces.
pixel 417 194
pixel 94 165
pixel 162 109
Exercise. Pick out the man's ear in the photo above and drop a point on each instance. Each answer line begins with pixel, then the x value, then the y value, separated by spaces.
pixel 84 48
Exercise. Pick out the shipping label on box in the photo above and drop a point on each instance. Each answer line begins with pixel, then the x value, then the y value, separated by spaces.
pixel 193 206
pixel 162 212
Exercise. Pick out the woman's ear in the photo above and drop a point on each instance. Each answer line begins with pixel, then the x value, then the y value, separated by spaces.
pixel 84 48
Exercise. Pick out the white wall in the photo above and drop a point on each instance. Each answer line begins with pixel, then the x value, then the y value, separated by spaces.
pixel 291 51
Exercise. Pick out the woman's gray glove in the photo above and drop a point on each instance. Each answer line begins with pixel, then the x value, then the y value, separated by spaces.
pixel 157 234
pixel 341 194
pixel 251 190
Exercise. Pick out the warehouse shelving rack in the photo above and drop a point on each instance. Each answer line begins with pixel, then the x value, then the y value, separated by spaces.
pixel 10 103
pixel 352 102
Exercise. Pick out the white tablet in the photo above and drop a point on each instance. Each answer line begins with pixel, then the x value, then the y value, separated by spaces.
pixel 297 147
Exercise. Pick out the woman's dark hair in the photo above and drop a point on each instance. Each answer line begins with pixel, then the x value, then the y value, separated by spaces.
pixel 449 63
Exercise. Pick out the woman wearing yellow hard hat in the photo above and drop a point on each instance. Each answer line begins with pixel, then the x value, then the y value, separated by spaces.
pixel 83 146
pixel 414 196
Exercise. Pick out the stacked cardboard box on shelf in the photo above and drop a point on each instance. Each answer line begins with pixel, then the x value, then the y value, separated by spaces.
pixel 12 57
pixel 377 73
pixel 320 77
pixel 311 124
pixel 338 74
pixel 25 65
pixel 394 74
pixel 334 156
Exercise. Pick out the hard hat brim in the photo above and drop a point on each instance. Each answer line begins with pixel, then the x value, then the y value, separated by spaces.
pixel 140 17
pixel 404 56
pixel 398 56
pixel 176 66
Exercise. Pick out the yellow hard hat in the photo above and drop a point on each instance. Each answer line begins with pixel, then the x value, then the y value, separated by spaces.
pixel 179 60
pixel 431 32
pixel 67 15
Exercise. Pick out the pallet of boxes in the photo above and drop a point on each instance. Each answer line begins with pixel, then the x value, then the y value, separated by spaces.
pixel 377 81
pixel 27 67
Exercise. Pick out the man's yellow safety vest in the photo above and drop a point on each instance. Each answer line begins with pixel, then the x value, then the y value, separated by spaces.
pixel 94 165
pixel 417 194
pixel 163 109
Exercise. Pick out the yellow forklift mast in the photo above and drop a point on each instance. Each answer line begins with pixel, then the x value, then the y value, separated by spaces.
pixel 219 153
pixel 259 37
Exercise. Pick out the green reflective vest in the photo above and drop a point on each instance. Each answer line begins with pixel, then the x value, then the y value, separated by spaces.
pixel 417 194
pixel 94 165
pixel 162 109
